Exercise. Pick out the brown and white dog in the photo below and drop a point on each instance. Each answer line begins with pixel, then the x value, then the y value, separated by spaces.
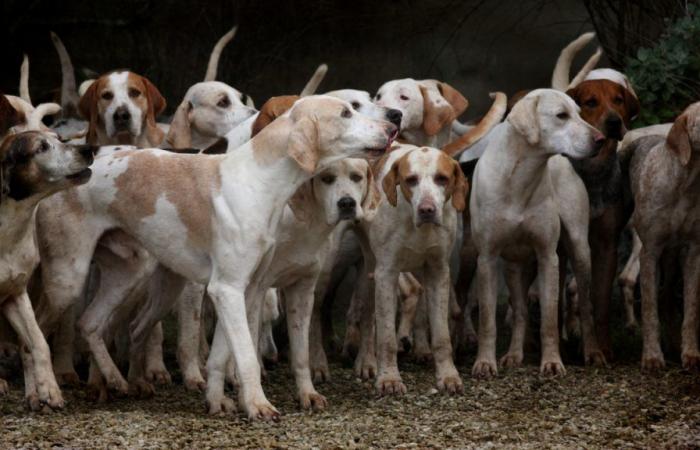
pixel 33 165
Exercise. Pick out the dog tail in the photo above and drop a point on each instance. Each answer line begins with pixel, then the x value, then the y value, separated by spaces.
pixel 69 92
pixel 586 69
pixel 44 109
pixel 24 80
pixel 560 76
pixel 314 81
pixel 213 65
pixel 490 120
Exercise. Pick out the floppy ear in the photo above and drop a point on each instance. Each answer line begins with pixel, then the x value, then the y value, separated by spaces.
pixel 574 94
pixel 391 179
pixel 372 197
pixel 454 98
pixel 303 144
pixel 272 109
pixel 303 202
pixel 678 140
pixel 631 105
pixel 523 117
pixel 88 109
pixel 459 188
pixel 180 134
pixel 437 113
pixel 156 105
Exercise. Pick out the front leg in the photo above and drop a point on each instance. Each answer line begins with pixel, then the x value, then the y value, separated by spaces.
pixel 437 286
pixel 189 315
pixel 517 292
pixel 548 275
pixel 386 283
pixel 300 301
pixel 156 372
pixel 487 284
pixel 690 356
pixel 652 356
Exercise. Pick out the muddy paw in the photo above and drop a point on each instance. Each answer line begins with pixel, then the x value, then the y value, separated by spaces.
pixel 159 377
pixel 552 368
pixel 141 389
pixel 451 385
pixel 196 384
pixel 32 401
pixel 313 400
pixel 262 410
pixel 320 374
pixel 691 361
pixel 50 395
pixel 68 379
pixel 653 362
pixel 511 360
pixel 595 358
pixel 224 405
pixel 365 368
pixel 118 386
pixel 390 385
pixel 484 369
pixel 4 387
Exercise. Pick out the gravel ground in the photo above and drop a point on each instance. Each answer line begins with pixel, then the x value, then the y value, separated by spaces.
pixel 588 408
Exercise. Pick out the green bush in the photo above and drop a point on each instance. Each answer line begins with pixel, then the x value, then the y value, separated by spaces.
pixel 665 76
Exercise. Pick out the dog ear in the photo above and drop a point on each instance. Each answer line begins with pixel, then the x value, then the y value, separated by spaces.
pixel 523 117
pixel 389 183
pixel 88 109
pixel 303 144
pixel 574 93
pixel 678 140
pixel 372 197
pixel 272 109
pixel 156 105
pixel 180 134
pixel 437 112
pixel 454 98
pixel 631 105
pixel 303 202
pixel 459 187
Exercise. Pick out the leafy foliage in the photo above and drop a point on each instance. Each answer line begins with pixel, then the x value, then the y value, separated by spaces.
pixel 666 75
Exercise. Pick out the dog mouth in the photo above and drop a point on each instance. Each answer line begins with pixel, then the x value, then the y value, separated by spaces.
pixel 379 151
pixel 80 177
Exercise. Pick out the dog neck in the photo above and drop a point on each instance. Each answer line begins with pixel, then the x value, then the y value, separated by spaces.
pixel 17 218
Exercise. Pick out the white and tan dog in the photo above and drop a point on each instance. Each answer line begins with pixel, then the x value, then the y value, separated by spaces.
pixel 33 165
pixel 515 213
pixel 211 219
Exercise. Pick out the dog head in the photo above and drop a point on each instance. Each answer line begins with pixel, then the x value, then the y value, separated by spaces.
pixel 210 109
pixel 121 108
pixel 684 138
pixel 607 105
pixel 549 121
pixel 323 129
pixel 429 105
pixel 38 163
pixel 428 179
pixel 345 190
pixel 362 103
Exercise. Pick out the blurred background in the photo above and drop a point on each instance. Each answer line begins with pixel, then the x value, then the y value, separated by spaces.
pixel 477 46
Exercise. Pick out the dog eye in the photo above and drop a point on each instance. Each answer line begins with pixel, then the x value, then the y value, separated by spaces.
pixel 412 180
pixel 44 146
pixel 106 95
pixel 346 113
pixel 356 177
pixel 563 115
pixel 328 179
pixel 244 98
pixel 355 105
pixel 134 93
pixel 378 97
pixel 403 97
pixel 592 103
pixel 618 100
pixel 224 102
pixel 441 180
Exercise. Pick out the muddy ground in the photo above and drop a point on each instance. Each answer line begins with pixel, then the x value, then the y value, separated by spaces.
pixel 588 408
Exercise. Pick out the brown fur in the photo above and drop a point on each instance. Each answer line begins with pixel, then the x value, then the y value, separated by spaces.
pixel 272 109
pixel 457 187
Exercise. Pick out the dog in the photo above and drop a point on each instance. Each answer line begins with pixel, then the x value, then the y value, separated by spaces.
pixel 214 235
pixel 665 183
pixel 514 213
pixel 33 166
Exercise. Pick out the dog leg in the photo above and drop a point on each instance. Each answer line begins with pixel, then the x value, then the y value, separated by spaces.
pixel 421 338
pixel 366 360
pixel 517 291
pixel 386 285
pixel 156 372
pixel 63 342
pixel 690 356
pixel 317 354
pixel 548 274
pixel 652 356
pixel 189 313
pixel 628 280
pixel 487 272
pixel 18 311
pixel 216 401
pixel 410 292
pixel 300 299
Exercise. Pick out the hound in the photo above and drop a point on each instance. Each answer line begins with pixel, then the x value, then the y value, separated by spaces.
pixel 210 219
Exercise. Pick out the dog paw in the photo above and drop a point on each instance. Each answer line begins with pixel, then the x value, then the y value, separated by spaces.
pixel 69 379
pixel 196 384
pixel 97 393
pixel 511 360
pixel 652 361
pixel 140 388
pixel 222 405
pixel 320 374
pixel 484 369
pixel 390 385
pixel 4 387
pixel 118 386
pixel 261 410
pixel 450 384
pixel 365 368
pixel 313 400
pixel 595 358
pixel 691 361
pixel 159 377
pixel 32 401
pixel 49 394
pixel 552 368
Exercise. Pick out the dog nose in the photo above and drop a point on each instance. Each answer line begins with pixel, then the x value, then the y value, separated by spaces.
pixel 426 211
pixel 613 126
pixel 121 116
pixel 394 116
pixel 346 204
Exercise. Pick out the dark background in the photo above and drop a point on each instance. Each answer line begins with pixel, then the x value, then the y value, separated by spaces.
pixel 477 46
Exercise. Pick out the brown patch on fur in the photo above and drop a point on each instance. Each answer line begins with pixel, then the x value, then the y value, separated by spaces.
pixel 187 182
pixel 457 187
pixel 454 98
pixel 435 117
pixel 272 109
pixel 400 170
pixel 609 97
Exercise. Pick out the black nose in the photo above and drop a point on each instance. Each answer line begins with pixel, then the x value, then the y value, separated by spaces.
pixel 394 116
pixel 121 117
pixel 613 127
pixel 346 206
